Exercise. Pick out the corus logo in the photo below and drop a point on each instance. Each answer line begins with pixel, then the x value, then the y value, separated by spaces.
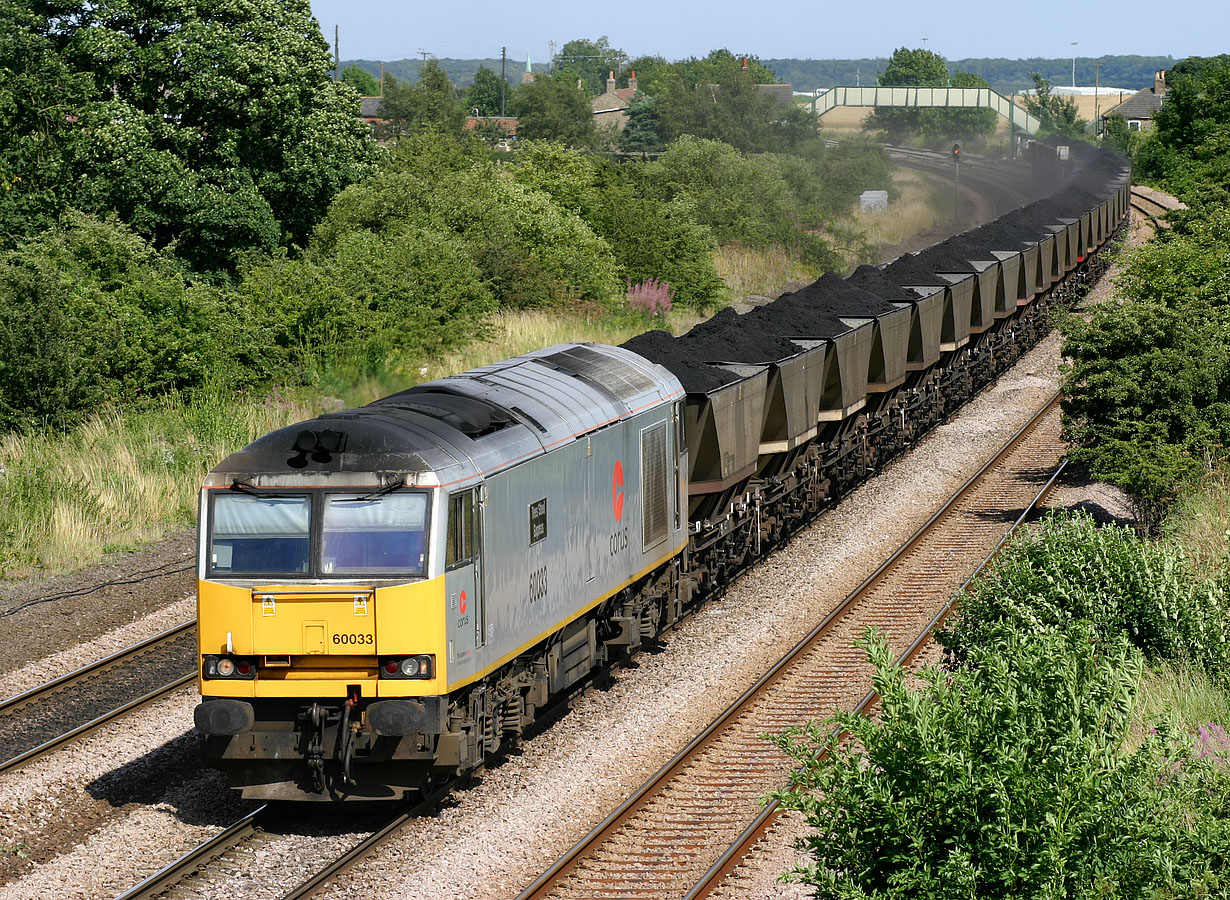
pixel 617 490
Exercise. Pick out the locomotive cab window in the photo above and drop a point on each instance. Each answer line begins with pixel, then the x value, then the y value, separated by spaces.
pixel 462 544
pixel 373 535
pixel 258 535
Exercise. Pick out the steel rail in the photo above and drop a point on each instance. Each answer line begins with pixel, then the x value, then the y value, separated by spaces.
pixel 172 874
pixel 64 682
pixel 744 844
pixel 552 876
pixel 41 690
pixel 353 855
pixel 81 730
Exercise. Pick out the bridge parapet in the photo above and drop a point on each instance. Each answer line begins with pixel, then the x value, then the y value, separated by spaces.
pixel 927 97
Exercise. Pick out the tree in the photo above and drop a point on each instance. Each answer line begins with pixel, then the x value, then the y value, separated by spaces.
pixel 1118 136
pixel 484 94
pixel 651 73
pixel 731 108
pixel 944 125
pixel 552 109
pixel 643 131
pixel 907 68
pixel 590 61
pixel 922 68
pixel 216 128
pixel 1057 114
pixel 1186 150
pixel 361 80
pixel 429 104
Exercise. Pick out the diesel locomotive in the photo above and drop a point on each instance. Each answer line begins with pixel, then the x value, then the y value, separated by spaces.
pixel 388 595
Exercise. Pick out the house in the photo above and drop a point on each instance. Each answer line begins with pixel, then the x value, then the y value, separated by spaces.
pixel 1139 108
pixel 611 106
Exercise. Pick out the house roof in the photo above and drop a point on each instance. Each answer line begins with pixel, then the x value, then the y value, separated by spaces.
pixel 609 101
pixel 369 107
pixel 1141 105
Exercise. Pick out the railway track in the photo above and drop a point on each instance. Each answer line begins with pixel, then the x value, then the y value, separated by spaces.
pixel 1002 184
pixel 1153 205
pixel 193 873
pixel 46 717
pixel 694 820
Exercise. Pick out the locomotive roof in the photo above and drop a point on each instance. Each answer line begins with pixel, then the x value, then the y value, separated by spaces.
pixel 455 429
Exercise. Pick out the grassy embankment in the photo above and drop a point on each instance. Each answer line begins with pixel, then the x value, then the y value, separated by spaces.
pixel 127 477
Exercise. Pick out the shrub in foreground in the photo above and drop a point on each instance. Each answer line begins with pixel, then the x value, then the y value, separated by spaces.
pixel 1070 570
pixel 1010 777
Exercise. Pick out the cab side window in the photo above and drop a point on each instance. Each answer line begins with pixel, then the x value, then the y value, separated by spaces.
pixel 462 529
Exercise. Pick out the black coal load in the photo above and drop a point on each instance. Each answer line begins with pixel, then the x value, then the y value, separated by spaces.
pixel 967 246
pixel 1027 224
pixel 765 334
pixel 815 312
pixel 910 269
pixel 664 349
pixel 946 258
pixel 730 337
pixel 874 281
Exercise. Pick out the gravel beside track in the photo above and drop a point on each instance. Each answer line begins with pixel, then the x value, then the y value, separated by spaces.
pixel 38 615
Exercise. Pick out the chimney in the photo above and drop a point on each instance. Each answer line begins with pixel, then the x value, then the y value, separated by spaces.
pixel 1159 82
pixel 632 81
pixel 610 82
pixel 745 65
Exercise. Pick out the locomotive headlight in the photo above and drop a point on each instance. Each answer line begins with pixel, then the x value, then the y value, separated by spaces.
pixel 241 667
pixel 420 666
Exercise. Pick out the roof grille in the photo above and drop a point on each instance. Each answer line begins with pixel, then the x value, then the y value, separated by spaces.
pixel 617 377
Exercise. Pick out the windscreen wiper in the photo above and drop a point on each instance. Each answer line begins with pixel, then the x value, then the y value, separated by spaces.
pixel 244 488
pixel 379 492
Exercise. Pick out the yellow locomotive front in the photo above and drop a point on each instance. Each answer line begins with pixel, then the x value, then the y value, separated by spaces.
pixel 321 620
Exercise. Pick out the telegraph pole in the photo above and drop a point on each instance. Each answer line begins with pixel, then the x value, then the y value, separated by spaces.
pixel 503 81
pixel 337 56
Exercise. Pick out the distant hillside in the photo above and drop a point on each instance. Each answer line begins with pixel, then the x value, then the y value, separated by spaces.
pixel 460 71
pixel 1005 75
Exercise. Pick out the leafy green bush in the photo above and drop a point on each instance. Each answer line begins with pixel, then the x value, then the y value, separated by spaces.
pixel 90 314
pixel 531 251
pixel 737 198
pixel 1148 387
pixel 1068 570
pixel 1009 778
pixel 407 292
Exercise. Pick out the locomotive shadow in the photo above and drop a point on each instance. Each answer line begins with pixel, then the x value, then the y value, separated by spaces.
pixel 173 776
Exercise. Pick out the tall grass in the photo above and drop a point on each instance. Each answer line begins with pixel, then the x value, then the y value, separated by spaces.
pixel 120 479
pixel 1199 522
pixel 756 271
pixel 913 211
pixel 1188 697
pixel 129 476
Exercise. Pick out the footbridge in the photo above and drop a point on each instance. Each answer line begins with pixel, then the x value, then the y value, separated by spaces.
pixel 924 97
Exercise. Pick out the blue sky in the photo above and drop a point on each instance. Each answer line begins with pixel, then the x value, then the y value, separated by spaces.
pixel 956 29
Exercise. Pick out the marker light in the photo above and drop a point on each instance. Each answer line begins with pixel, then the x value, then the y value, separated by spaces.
pixel 226 667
